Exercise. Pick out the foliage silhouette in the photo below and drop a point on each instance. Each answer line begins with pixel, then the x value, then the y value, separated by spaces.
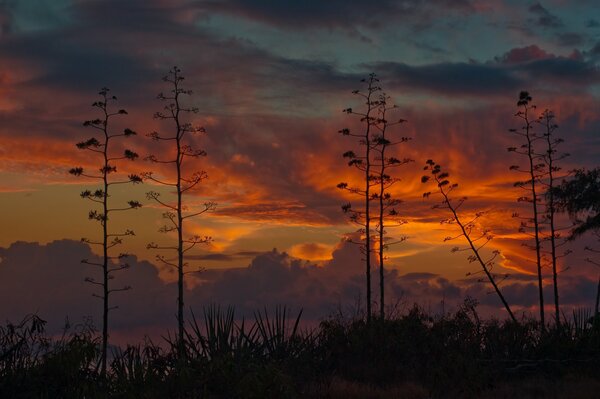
pixel 101 196
pixel 374 164
pixel 176 214
pixel 551 157
pixel 467 229
pixel 388 215
pixel 580 196
pixel 450 355
pixel 534 172
pixel 362 162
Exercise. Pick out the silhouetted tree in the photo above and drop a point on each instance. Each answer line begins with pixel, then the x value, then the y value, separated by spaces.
pixel 580 197
pixel 595 262
pixel 476 240
pixel 551 157
pixel 101 196
pixel 177 213
pixel 534 172
pixel 362 162
pixel 388 215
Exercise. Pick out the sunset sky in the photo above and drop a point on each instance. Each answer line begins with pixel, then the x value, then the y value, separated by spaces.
pixel 271 79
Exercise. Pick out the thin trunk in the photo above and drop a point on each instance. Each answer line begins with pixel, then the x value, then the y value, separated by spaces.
pixel 481 262
pixel 597 307
pixel 368 231
pixel 180 263
pixel 381 233
pixel 535 220
pixel 105 292
pixel 552 227
pixel 367 200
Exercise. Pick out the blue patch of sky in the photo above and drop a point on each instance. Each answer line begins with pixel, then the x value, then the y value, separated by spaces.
pixel 453 39
pixel 38 15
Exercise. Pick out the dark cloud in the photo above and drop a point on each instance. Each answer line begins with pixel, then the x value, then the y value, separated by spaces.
pixel 571 39
pixel 450 78
pixel 6 19
pixel 67 63
pixel 520 67
pixel 222 257
pixel 592 23
pixel 562 71
pixel 594 52
pixel 298 14
pixel 521 55
pixel 543 17
pixel 48 280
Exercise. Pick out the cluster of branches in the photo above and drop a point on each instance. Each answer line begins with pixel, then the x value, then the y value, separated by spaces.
pixel 375 165
pixel 540 147
pixel 101 146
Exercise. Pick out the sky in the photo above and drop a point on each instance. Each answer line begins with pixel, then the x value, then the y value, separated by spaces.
pixel 270 79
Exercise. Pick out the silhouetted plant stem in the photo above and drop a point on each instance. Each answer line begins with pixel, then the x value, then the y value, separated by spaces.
pixel 175 214
pixel 363 163
pixel 381 234
pixel 550 157
pixel 528 150
pixel 597 304
pixel 102 197
pixel 441 180
pixel 387 203
pixel 367 137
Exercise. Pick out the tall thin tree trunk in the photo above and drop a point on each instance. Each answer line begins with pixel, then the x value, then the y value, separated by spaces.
pixel 381 236
pixel 480 260
pixel 368 230
pixel 597 307
pixel 180 262
pixel 368 200
pixel 536 226
pixel 551 216
pixel 105 291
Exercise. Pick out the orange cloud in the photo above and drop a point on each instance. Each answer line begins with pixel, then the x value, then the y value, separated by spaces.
pixel 311 251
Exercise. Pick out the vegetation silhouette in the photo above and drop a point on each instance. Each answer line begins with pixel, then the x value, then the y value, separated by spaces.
pixel 409 353
pixel 101 196
pixel 363 162
pixel 176 214
pixel 414 354
pixel 388 215
pixel 534 172
pixel 551 157
pixel 375 164
pixel 580 197
pixel 476 237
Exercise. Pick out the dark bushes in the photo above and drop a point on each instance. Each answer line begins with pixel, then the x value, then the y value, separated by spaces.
pixel 452 355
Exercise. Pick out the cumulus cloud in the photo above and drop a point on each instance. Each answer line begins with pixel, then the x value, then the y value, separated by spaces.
pixel 311 250
pixel 48 280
